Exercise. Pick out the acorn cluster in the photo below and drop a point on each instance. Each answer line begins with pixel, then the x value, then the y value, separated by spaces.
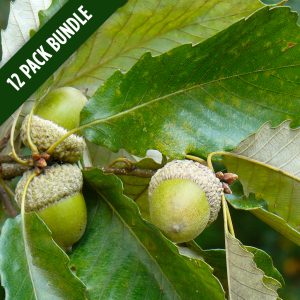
pixel 184 195
pixel 55 193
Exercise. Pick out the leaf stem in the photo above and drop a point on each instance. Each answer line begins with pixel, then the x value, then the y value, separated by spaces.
pixel 228 216
pixel 31 177
pixel 12 144
pixel 196 158
pixel 31 144
pixel 52 148
pixel 224 214
pixel 212 154
pixel 69 133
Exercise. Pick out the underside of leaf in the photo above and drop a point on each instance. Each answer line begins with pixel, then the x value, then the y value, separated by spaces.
pixel 246 280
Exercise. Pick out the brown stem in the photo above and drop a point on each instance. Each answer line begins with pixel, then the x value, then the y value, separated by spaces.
pixel 10 159
pixel 145 173
pixel 4 141
pixel 6 159
pixel 12 170
pixel 7 205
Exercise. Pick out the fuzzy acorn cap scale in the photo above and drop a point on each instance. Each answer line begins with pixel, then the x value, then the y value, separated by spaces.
pixel 44 133
pixel 194 171
pixel 56 183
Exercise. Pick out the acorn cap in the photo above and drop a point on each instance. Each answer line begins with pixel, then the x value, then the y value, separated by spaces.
pixel 57 183
pixel 44 133
pixel 194 171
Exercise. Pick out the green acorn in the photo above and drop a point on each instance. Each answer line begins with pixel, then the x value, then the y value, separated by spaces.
pixel 55 195
pixel 184 198
pixel 57 113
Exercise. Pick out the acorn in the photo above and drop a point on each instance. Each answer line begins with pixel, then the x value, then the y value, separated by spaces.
pixel 184 198
pixel 55 195
pixel 54 116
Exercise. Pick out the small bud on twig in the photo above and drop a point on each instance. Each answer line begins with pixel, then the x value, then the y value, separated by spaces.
pixel 230 178
pixel 41 163
pixel 226 188
pixel 220 175
pixel 45 156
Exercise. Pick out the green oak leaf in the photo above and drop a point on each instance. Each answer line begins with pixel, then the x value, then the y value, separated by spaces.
pixel 245 279
pixel 203 98
pixel 216 258
pixel 121 254
pixel 294 4
pixel 32 266
pixel 154 26
pixel 268 163
pixel 264 262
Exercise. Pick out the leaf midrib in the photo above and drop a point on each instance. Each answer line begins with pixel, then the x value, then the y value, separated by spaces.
pixel 151 101
pixel 137 239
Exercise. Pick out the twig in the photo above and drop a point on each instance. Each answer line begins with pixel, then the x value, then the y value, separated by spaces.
pixel 10 159
pixel 6 159
pixel 12 170
pixel 4 141
pixel 145 173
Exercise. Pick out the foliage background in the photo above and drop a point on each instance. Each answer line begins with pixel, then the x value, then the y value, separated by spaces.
pixel 250 230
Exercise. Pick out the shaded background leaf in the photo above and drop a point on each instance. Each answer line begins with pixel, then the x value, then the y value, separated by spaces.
pixel 147 26
pixel 23 17
pixel 37 268
pixel 120 254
